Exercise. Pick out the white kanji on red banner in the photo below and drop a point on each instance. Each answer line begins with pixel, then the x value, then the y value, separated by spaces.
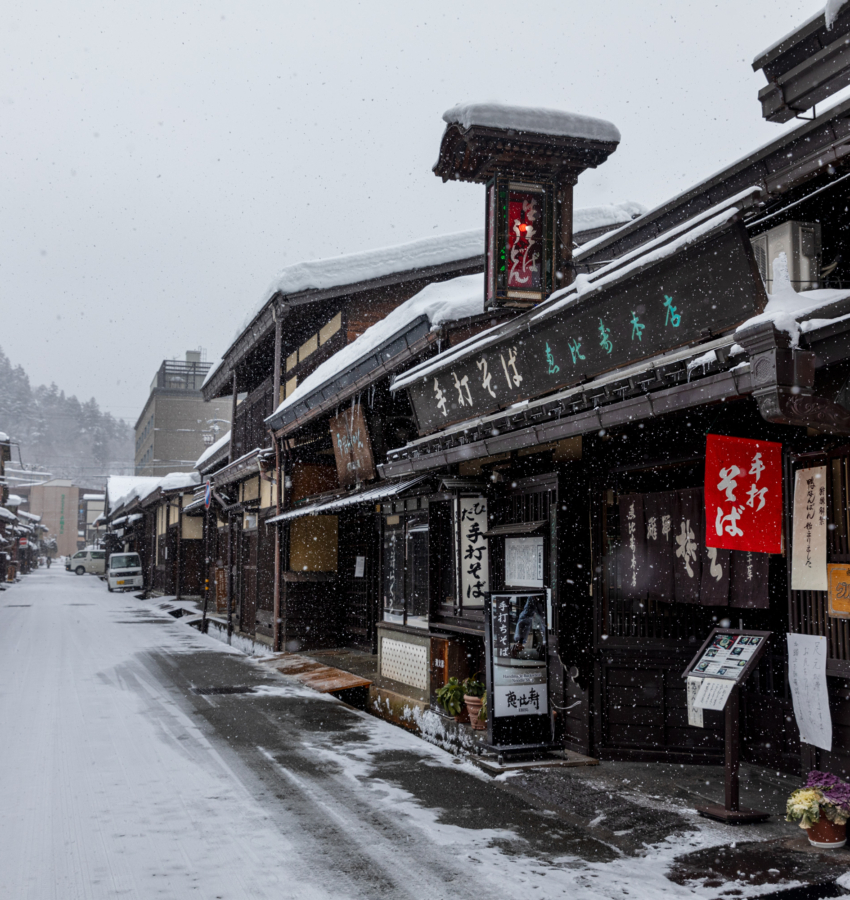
pixel 743 494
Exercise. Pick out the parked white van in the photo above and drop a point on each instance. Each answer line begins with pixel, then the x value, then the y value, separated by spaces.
pixel 124 572
pixel 89 560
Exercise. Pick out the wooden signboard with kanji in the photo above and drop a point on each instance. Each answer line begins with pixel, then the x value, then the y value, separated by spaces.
pixel 352 447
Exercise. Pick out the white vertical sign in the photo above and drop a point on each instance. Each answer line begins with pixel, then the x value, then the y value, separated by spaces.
pixel 695 716
pixel 808 552
pixel 807 677
pixel 474 550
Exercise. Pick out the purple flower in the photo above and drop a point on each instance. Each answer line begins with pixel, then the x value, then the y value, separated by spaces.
pixel 834 789
pixel 824 781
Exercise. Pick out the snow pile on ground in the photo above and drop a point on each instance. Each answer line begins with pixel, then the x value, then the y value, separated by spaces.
pixel 444 301
pixel 212 450
pixel 525 118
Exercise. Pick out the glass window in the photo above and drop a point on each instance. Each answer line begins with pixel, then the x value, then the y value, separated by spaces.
pixel 125 561
pixel 393 570
pixel 80 555
pixel 405 574
pixel 99 554
pixel 417 571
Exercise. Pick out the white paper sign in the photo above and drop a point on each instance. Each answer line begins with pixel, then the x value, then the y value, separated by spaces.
pixel 359 566
pixel 808 552
pixel 524 562
pixel 807 677
pixel 695 717
pixel 713 693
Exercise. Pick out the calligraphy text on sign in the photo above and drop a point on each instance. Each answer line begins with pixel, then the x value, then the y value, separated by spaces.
pixel 808 549
pixel 743 494
pixel 474 550
pixel 708 287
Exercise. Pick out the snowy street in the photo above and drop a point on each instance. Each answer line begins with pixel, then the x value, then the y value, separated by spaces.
pixel 122 778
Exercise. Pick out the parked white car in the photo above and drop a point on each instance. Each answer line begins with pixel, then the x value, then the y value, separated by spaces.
pixel 91 561
pixel 124 572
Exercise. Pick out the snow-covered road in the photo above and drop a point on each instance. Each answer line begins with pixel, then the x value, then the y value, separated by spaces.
pixel 123 775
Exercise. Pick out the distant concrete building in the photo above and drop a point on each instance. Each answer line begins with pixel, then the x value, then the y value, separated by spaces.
pixel 176 424
pixel 58 502
pixel 92 507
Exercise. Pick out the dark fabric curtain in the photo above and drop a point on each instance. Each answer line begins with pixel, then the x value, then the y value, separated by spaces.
pixel 688 541
pixel 748 587
pixel 660 513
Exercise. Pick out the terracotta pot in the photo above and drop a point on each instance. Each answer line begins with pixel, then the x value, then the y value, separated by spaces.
pixel 473 707
pixel 827 835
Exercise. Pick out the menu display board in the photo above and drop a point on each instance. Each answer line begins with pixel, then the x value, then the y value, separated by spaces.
pixel 727 656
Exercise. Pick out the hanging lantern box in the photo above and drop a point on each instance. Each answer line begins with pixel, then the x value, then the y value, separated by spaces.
pixel 520 242
pixel 529 170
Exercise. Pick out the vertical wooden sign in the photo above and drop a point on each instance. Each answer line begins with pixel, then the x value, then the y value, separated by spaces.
pixel 352 447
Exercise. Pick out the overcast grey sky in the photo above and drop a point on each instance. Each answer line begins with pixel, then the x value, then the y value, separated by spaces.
pixel 162 160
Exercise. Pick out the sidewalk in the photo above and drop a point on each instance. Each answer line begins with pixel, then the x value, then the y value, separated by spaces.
pixel 639 810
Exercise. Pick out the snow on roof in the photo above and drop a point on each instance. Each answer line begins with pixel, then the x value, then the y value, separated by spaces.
pixel 525 118
pixel 323 274
pixel 785 306
pixel 592 217
pixel 177 480
pixel 655 250
pixel 14 500
pixel 6 514
pixel 443 301
pixel 4 436
pixel 122 489
pixel 30 516
pixel 92 496
pixel 212 450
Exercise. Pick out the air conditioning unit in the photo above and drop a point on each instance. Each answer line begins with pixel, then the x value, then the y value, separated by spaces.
pixel 800 242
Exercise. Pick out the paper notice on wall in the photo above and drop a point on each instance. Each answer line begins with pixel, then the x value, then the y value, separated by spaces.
pixel 807 677
pixel 808 551
pixel 695 717
pixel 359 566
pixel 713 693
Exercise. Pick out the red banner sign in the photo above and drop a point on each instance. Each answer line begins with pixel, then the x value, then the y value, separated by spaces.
pixel 743 494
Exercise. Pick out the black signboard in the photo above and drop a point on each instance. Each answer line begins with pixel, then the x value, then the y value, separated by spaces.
pixel 517 670
pixel 704 289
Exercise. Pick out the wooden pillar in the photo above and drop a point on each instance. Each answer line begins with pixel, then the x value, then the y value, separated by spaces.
pixel 733 753
pixel 179 566
pixel 233 417
pixel 564 274
pixel 230 574
pixel 277 339
pixel 277 498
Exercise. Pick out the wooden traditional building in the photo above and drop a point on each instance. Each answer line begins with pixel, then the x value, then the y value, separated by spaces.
pixel 585 454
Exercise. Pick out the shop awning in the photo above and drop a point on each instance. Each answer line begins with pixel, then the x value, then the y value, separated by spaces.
pixel 515 528
pixel 327 506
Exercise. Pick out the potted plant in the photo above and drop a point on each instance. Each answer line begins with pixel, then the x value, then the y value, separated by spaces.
pixel 474 692
pixel 821 808
pixel 450 697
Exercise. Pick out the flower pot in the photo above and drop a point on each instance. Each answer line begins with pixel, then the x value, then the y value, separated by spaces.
pixel 827 835
pixel 473 707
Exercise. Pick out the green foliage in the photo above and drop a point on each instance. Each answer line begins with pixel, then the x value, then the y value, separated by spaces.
pixel 474 686
pixel 450 697
pixel 482 713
